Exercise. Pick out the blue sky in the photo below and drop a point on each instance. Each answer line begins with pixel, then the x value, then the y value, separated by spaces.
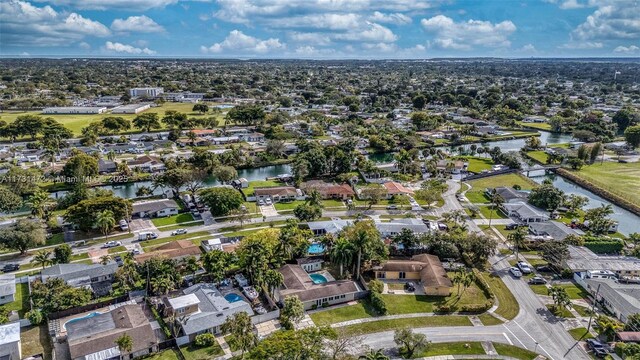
pixel 320 28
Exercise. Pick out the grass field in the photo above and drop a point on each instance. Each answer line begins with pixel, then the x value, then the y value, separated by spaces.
pixel 580 333
pixel 540 289
pixel 514 351
pixel 427 321
pixel 488 319
pixel 539 126
pixel 507 305
pixel 172 220
pixel 76 122
pixel 538 155
pixel 495 214
pixel 476 193
pixel 618 178
pixel 195 353
pixel 21 303
pixel 35 340
pixel 575 292
pixel 452 348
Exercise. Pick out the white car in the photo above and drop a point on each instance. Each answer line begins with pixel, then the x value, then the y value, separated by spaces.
pixel 515 272
pixel 179 232
pixel 524 267
pixel 268 201
pixel 260 202
pixel 111 244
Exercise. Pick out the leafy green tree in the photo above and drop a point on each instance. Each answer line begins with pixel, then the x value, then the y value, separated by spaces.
pixel 307 212
pixel 517 238
pixel 419 101
pixel 40 203
pixel 342 253
pixel 174 179
pixel 292 312
pixel 546 196
pixel 608 327
pixel 479 248
pixel 147 122
pixel 496 202
pixel 632 135
pixel 9 201
pixel 306 343
pixel 23 235
pixel 124 343
pixel 115 124
pixel 34 316
pixel 105 221
pixel 201 108
pixel 239 326
pixel 30 125
pixel 273 279
pixel 62 254
pixel 561 299
pixel 221 200
pixel 365 238
pixel 554 252
pixel 246 114
pixel 599 221
pixel 22 181
pixel 410 342
pixel 406 238
pixel 83 213
pixel 625 117
pixel 55 295
pixel 173 119
pixel 374 355
pixel 225 174
pixel 80 167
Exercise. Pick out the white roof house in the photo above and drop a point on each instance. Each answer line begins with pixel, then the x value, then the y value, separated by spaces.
pixel 10 341
pixel 7 288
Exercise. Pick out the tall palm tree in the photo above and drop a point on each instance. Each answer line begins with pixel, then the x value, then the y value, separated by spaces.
pixel 39 203
pixel 105 259
pixel 105 221
pixel 42 258
pixel 517 238
pixel 162 285
pixel 496 201
pixel 125 344
pixel 272 280
pixel 342 253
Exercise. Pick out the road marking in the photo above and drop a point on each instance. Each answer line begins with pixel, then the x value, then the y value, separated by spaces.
pixel 534 340
pixel 508 339
pixel 517 338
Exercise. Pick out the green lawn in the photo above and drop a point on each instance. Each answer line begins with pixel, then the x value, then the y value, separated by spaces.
pixel 514 351
pixel 427 321
pixel 618 178
pixel 172 220
pixel 478 186
pixel 160 241
pixel 540 289
pixel 583 311
pixel 563 313
pixel 452 348
pixel 117 249
pixel 182 226
pixel 477 164
pixel 488 319
pixel 538 155
pixel 477 197
pixel 507 305
pixel 333 203
pixel 169 354
pixel 76 122
pixel 575 292
pixel 495 214
pixel 351 312
pixel 195 353
pixel 287 205
pixel 21 302
pixel 540 126
pixel 580 333
pixel 35 340
pixel 259 183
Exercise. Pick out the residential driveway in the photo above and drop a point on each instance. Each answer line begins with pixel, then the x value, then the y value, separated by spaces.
pixel 268 210
pixel 493 221
pixel 141 224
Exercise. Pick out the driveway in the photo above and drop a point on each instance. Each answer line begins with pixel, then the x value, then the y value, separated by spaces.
pixel 268 210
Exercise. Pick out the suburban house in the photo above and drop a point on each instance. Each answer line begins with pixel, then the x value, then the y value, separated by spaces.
pixel 94 337
pixel 424 268
pixel 507 194
pixel 10 346
pixel 202 309
pixel 155 208
pixel 582 259
pixel 146 163
pixel 394 188
pixel 320 228
pixel 310 264
pixel 106 167
pixel 278 193
pixel 554 229
pixel 329 190
pixel 394 227
pixel 97 277
pixel 7 288
pixel 172 250
pixel 524 212
pixel 622 300
pixel 314 294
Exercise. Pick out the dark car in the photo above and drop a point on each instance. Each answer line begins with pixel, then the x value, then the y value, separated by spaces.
pixel 597 347
pixel 118 260
pixel 537 280
pixel 410 287
pixel 543 268
pixel 10 267
pixel 511 226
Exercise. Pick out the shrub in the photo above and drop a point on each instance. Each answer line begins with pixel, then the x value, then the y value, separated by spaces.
pixel 376 286
pixel 443 308
pixel 325 304
pixel 377 302
pixel 204 340
pixel 35 317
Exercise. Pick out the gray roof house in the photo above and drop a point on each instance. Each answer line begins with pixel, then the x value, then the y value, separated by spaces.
pixel 395 227
pixel 328 227
pixel 98 277
pixel 557 230
pixel 155 208
pixel 10 341
pixel 7 288
pixel 508 194
pixel 203 309
pixel 622 300
pixel 524 212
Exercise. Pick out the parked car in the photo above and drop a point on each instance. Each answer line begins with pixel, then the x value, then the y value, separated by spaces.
pixel 511 226
pixel 135 251
pixel 409 286
pixel 597 347
pixel 268 201
pixel 124 225
pixel 515 272
pixel 524 267
pixel 260 203
pixel 543 268
pixel 111 244
pixel 179 232
pixel 118 260
pixel 537 280
pixel 10 267
pixel 392 207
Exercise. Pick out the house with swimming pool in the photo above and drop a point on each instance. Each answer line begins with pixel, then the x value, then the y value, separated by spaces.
pixel 316 289
pixel 203 309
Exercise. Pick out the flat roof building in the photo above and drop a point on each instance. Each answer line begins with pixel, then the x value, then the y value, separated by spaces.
pixel 131 109
pixel 151 92
pixel 74 110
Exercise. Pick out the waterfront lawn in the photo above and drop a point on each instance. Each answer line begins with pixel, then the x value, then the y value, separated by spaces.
pixel 478 186
pixel 508 307
pixel 514 352
pixel 477 164
pixel 172 220
pixel 618 178
pixel 540 126
pixel 427 321
pixel 258 184
pixel 539 155
pixel 580 333
pixel 35 340
pixel 192 352
pixel 452 348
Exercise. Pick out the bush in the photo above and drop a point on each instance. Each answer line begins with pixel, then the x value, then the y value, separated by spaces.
pixel 377 302
pixel 476 308
pixel 443 309
pixel 376 286
pixel 325 304
pixel 204 340
pixel 35 317
pixel 604 247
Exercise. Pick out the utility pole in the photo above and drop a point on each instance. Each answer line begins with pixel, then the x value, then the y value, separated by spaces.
pixel 593 307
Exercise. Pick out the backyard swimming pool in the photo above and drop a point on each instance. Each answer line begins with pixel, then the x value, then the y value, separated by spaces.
pixel 315 248
pixel 88 316
pixel 233 297
pixel 318 278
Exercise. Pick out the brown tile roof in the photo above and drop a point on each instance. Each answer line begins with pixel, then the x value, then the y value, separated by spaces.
pixel 276 190
pixel 297 282
pixel 327 189
pixel 172 250
pixel 629 336
pixel 129 319
pixel 144 159
pixel 394 188
pixel 429 267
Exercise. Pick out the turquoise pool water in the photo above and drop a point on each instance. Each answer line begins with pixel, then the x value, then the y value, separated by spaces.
pixel 316 248
pixel 233 297
pixel 318 279
pixel 88 316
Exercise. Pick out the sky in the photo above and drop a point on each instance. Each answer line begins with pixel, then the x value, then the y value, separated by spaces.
pixel 320 29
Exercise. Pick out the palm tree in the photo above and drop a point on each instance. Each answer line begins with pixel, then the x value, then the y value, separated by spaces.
pixel 607 326
pixel 105 221
pixel 190 265
pixel 111 155
pixel 125 344
pixel 561 299
pixel 42 258
pixel 39 203
pixel 517 238
pixel 496 201
pixel 374 355
pixel 272 280
pixel 105 259
pixel 342 253
pixel 162 285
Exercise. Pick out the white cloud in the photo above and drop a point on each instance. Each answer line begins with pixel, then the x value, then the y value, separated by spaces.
pixel 310 38
pixel 319 21
pixel 127 49
pixel 569 4
pixel 628 50
pixel 372 32
pixel 582 45
pixel 380 47
pixel 238 42
pixel 393 18
pixel 111 4
pixel 466 35
pixel 140 24
pixel 84 45
pixel 22 23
